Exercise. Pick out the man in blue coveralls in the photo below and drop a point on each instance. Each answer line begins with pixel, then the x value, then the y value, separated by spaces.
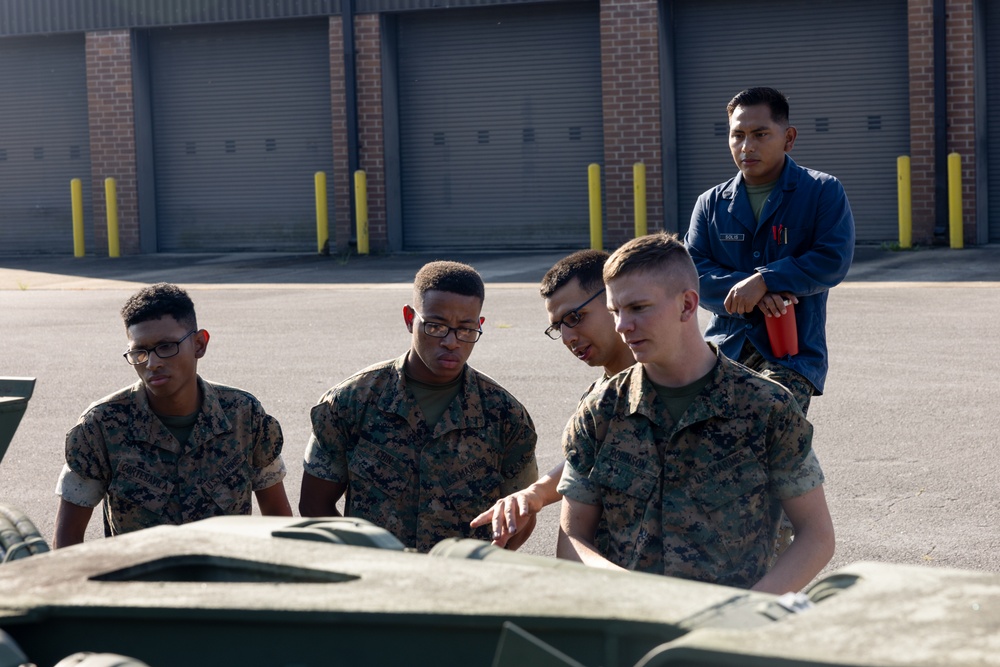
pixel 774 232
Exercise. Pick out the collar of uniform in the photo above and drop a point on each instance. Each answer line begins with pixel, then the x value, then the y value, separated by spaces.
pixel 146 427
pixel 213 422
pixel 397 399
pixel 716 399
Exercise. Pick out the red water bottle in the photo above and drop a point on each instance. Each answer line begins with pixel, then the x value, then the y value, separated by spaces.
pixel 782 332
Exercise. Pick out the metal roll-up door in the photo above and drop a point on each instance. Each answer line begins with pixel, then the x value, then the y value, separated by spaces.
pixel 843 65
pixel 500 114
pixel 44 143
pixel 241 122
pixel 993 117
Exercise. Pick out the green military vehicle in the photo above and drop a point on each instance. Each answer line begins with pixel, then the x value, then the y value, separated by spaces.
pixel 288 592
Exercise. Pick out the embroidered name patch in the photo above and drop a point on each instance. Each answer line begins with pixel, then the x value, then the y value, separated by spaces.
pixel 730 237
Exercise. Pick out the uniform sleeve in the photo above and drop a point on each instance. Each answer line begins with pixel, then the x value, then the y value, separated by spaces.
pixel 522 480
pixel 518 462
pixel 75 489
pixel 326 452
pixel 269 475
pixel 578 487
pixel 87 453
pixel 268 439
pixel 794 468
pixel 579 440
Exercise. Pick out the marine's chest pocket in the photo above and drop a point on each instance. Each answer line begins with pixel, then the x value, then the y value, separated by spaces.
pixel 376 467
pixel 619 478
pixel 230 487
pixel 138 498
pixel 737 480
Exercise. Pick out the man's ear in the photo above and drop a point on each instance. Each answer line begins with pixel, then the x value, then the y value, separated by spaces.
pixel 200 343
pixel 482 320
pixel 690 305
pixel 790 134
pixel 408 314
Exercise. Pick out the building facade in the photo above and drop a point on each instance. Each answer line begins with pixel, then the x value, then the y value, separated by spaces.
pixel 475 123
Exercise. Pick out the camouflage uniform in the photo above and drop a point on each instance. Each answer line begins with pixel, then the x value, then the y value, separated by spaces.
pixel 699 499
pixel 421 484
pixel 120 451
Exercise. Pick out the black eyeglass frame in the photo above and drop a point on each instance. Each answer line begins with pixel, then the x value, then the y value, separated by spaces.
pixel 573 314
pixel 176 345
pixel 447 330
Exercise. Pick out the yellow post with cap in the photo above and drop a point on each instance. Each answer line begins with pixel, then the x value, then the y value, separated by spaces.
pixel 76 200
pixel 111 200
pixel 905 201
pixel 639 193
pixel 955 200
pixel 361 205
pixel 594 185
pixel 322 214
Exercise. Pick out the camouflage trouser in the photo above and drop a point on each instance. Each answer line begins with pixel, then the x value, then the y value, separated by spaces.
pixel 802 390
pixel 797 385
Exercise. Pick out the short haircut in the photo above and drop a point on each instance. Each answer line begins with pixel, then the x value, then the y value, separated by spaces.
pixel 774 99
pixel 587 266
pixel 452 277
pixel 159 300
pixel 661 253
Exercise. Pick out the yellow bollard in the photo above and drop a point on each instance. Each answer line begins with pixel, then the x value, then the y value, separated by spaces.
pixel 76 200
pixel 955 200
pixel 594 184
pixel 322 214
pixel 639 190
pixel 361 206
pixel 905 201
pixel 111 199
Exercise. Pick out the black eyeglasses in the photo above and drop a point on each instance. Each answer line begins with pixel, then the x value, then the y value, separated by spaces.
pixel 163 351
pixel 437 330
pixel 570 319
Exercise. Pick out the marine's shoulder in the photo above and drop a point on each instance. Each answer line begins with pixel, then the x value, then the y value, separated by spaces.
pixel 117 401
pixel 363 381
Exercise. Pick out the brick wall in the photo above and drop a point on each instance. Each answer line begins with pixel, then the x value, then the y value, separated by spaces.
pixel 960 110
pixel 921 47
pixel 630 81
pixel 112 134
pixel 339 183
pixel 961 105
pixel 368 46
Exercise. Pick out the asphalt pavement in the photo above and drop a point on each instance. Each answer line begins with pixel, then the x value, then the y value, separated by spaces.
pixel 906 431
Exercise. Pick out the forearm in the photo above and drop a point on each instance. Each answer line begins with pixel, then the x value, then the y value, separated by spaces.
pixel 570 547
pixel 273 501
pixel 577 526
pixel 318 497
pixel 808 553
pixel 545 487
pixel 71 524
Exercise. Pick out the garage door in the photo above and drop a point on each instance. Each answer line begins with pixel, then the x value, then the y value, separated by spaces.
pixel 500 114
pixel 843 66
pixel 241 122
pixel 44 142
pixel 993 116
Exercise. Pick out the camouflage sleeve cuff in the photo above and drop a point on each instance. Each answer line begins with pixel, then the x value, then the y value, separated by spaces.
pixel 522 480
pixel 578 487
pixel 319 463
pixel 803 479
pixel 269 475
pixel 78 490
